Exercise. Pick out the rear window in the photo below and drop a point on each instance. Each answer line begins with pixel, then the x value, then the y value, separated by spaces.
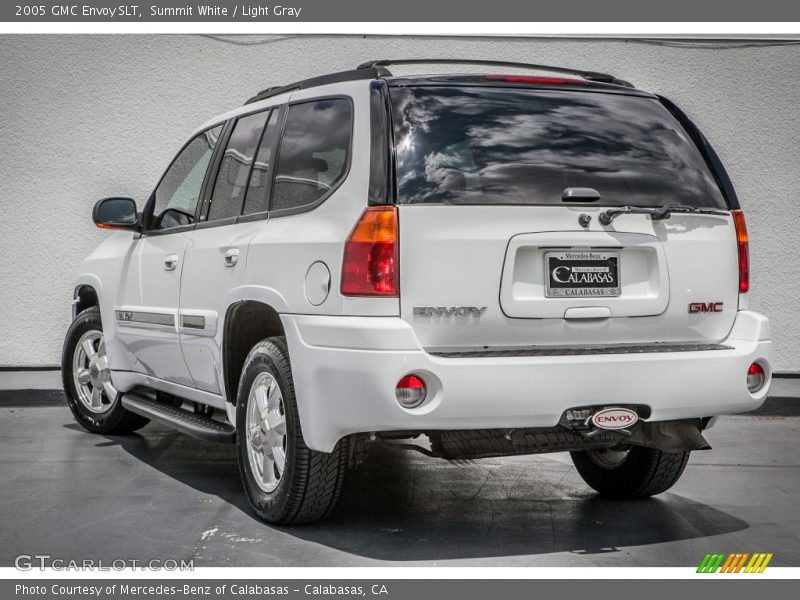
pixel 481 145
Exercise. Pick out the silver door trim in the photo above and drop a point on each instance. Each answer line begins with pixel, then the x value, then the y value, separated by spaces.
pixel 144 319
pixel 202 323
pixel 193 322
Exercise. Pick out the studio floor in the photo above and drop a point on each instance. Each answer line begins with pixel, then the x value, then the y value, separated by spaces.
pixel 158 494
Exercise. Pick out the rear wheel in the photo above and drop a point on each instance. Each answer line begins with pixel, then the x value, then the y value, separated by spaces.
pixel 287 482
pixel 630 471
pixel 91 395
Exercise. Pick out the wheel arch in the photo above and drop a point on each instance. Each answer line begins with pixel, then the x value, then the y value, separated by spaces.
pixel 247 322
pixel 86 293
pixel 85 296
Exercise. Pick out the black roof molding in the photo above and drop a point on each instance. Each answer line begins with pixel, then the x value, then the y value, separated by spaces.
pixel 353 75
pixel 376 69
pixel 588 75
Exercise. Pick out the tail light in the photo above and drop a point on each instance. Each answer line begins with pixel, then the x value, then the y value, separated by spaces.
pixel 370 265
pixel 756 377
pixel 743 244
pixel 410 391
pixel 535 79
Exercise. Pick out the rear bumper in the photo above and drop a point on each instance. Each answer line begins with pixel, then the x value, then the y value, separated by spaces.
pixel 346 368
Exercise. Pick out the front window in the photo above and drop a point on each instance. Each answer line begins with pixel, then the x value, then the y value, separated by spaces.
pixel 178 192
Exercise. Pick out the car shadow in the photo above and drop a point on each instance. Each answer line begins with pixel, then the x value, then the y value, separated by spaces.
pixel 402 506
pixel 208 468
pixel 394 508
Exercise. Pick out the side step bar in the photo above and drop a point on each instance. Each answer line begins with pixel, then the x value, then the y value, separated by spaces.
pixel 197 426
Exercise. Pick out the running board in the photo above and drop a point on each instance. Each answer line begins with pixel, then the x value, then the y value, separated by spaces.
pixel 197 426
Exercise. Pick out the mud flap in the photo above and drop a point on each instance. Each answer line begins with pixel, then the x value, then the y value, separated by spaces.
pixel 669 436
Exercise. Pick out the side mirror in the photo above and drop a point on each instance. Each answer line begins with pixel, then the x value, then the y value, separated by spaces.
pixel 116 213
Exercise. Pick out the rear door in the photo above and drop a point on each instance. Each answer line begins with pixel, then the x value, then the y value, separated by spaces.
pixel 217 252
pixel 493 256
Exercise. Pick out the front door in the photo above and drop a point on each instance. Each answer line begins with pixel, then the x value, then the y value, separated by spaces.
pixel 146 308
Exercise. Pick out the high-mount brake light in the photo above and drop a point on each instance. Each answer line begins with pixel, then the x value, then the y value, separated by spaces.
pixel 371 262
pixel 743 246
pixel 535 79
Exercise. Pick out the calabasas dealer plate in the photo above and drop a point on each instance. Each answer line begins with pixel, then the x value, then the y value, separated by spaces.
pixel 582 274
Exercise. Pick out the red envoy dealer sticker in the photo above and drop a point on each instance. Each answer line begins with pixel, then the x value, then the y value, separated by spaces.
pixel 614 418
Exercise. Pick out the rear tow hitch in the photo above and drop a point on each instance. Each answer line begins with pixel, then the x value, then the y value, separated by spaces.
pixel 667 436
pixel 592 431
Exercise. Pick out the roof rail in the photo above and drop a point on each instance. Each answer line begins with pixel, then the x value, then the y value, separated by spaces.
pixel 377 68
pixel 588 75
pixel 353 75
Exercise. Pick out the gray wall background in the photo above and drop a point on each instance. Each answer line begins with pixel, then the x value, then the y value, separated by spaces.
pixel 82 117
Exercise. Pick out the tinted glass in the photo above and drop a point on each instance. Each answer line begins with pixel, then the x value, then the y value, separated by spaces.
pixel 257 199
pixel 512 146
pixel 379 156
pixel 314 153
pixel 177 194
pixel 228 195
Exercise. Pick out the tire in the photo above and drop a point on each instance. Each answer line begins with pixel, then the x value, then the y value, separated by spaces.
pixel 106 415
pixel 642 473
pixel 308 486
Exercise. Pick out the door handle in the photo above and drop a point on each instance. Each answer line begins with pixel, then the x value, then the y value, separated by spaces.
pixel 170 262
pixel 231 257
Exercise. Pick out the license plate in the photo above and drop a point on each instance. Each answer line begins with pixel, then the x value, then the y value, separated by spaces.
pixel 582 274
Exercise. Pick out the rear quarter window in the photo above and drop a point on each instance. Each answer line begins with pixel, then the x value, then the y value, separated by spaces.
pixel 314 153
pixel 483 145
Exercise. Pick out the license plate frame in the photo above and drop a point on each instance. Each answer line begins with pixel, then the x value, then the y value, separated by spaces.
pixel 588 274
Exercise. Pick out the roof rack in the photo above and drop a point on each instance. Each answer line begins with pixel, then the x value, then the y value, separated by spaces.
pixel 353 75
pixel 588 75
pixel 375 69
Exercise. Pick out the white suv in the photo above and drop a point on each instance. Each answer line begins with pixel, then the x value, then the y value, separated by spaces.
pixel 505 264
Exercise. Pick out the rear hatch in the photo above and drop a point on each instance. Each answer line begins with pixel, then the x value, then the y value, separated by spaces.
pixel 493 257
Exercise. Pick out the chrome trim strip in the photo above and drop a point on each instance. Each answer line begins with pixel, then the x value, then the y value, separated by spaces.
pixel 193 321
pixel 198 323
pixel 575 351
pixel 127 316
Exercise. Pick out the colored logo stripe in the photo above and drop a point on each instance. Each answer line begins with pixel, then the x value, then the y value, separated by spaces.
pixel 735 562
pixel 727 566
pixel 758 563
pixel 710 563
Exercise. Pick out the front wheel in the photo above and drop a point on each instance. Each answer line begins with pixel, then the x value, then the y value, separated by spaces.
pixel 91 395
pixel 630 472
pixel 287 482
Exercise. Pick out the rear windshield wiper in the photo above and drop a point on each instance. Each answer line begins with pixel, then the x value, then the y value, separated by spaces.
pixel 657 213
